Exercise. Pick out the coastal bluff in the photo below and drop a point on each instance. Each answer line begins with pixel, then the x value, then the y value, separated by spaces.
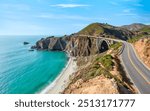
pixel 97 59
pixel 74 45
pixel 84 46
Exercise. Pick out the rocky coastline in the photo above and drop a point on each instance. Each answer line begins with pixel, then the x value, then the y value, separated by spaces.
pixel 75 46
pixel 104 67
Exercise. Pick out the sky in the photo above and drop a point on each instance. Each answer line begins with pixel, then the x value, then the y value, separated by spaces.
pixel 60 17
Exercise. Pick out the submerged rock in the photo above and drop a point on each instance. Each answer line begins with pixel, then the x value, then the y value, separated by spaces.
pixel 33 47
pixel 26 43
pixel 31 50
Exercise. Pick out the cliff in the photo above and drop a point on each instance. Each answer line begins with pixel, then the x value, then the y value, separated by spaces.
pixel 142 47
pixel 100 74
pixel 83 46
pixel 51 43
pixel 76 46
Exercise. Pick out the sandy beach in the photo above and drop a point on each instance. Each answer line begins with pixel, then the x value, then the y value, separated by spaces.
pixel 62 81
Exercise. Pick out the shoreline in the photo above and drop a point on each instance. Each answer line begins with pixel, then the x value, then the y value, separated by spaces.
pixel 62 81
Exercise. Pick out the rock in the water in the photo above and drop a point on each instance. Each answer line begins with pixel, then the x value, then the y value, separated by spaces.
pixel 26 43
pixel 31 50
pixel 33 47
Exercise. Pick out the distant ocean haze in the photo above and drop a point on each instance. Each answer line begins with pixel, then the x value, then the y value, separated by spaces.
pixel 23 71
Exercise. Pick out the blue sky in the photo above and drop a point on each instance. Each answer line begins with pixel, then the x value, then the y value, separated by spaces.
pixel 59 17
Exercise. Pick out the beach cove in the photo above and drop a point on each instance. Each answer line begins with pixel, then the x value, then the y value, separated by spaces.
pixel 62 81
pixel 27 72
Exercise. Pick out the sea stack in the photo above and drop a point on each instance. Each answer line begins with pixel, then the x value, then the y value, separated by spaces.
pixel 26 43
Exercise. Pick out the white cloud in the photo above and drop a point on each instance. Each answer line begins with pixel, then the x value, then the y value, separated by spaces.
pixel 59 16
pixel 71 17
pixel 69 5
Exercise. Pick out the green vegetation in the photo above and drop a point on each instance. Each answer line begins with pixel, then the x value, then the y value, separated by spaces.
pixel 145 29
pixel 101 65
pixel 107 62
pixel 142 33
pixel 116 46
pixel 95 28
pixel 106 30
pixel 134 39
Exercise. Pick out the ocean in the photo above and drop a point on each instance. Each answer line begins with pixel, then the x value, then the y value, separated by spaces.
pixel 27 72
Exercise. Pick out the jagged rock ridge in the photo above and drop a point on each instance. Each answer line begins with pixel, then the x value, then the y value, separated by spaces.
pixel 75 46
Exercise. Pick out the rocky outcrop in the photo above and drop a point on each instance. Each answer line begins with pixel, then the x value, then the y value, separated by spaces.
pixel 82 46
pixel 74 45
pixel 51 43
pixel 142 47
pixel 85 46
pixel 25 43
pixel 97 85
pixel 95 77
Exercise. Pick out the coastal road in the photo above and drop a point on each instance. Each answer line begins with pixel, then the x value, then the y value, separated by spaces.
pixel 137 71
pixel 134 67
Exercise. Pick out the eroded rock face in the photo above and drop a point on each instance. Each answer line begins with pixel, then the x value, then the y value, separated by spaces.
pixel 97 85
pixel 75 46
pixel 82 46
pixel 51 44
pixel 143 50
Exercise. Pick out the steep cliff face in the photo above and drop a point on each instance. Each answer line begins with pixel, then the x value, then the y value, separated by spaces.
pixel 51 43
pixel 85 46
pixel 82 46
pixel 142 47
pixel 75 46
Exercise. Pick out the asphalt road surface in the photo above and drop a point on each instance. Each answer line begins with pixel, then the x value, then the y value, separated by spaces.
pixel 137 71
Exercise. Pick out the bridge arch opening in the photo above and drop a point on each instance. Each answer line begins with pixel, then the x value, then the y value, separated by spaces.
pixel 103 46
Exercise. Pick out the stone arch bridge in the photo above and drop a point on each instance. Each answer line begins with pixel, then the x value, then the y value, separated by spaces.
pixel 102 43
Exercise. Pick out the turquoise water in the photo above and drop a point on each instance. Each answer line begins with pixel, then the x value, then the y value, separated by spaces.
pixel 25 72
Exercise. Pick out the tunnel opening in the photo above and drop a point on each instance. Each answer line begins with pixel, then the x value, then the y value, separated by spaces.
pixel 103 47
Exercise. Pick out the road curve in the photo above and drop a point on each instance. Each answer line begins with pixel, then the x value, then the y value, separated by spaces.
pixel 137 71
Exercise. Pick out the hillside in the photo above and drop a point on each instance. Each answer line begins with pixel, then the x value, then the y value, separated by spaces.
pixel 106 30
pixel 98 63
pixel 102 73
pixel 145 29
pixel 134 27
pixel 142 47
pixel 139 30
